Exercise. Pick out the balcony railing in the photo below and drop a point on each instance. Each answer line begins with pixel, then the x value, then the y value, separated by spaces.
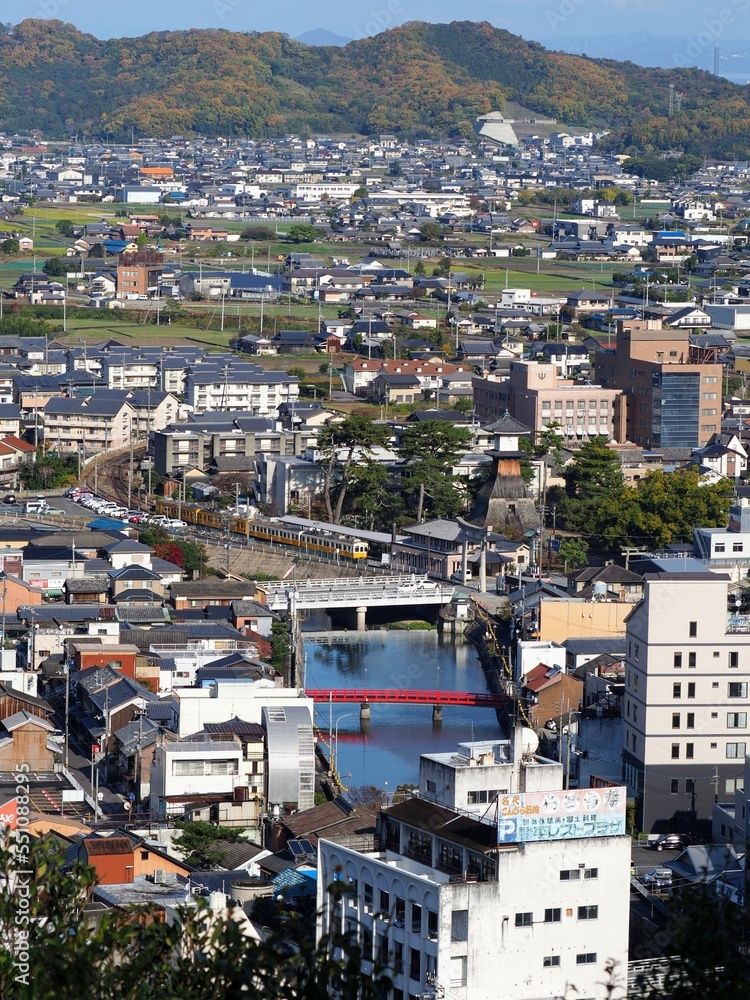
pixel 738 624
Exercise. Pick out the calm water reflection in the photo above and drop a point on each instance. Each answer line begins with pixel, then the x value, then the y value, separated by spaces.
pixel 388 749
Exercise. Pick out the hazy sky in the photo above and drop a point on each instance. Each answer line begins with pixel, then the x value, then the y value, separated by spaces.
pixel 538 19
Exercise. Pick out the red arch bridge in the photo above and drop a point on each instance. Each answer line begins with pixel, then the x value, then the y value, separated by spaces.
pixel 388 696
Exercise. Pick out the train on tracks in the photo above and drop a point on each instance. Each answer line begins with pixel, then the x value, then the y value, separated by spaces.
pixel 317 538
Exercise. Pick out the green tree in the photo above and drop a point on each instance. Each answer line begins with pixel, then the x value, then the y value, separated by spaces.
pixel 429 232
pixel 134 954
pixel 203 844
pixel 419 267
pixel 369 496
pixel 430 450
pixel 97 250
pixel 55 267
pixel 361 192
pixel 594 475
pixel 279 644
pixel 574 552
pixel 64 227
pixel 10 246
pixel 662 508
pixel 303 232
pixel 338 444
pixel 258 233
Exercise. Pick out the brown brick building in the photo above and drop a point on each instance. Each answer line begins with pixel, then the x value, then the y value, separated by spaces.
pixel 668 400
pixel 138 273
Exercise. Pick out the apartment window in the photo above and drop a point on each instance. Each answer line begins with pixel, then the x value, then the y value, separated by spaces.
pixel 588 912
pixel 635 681
pixel 736 720
pixel 635 714
pixel 459 925
pixel 734 659
pixel 589 873
pixel 720 547
pixel 524 919
pixel 587 958
pixel 675 720
pixel 552 916
pixel 678 659
pixel 431 786
pixel 415 964
pixel 693 630
pixel 400 911
pixel 737 689
pixel 735 750
pixel 674 786
pixel 690 721
pixel 398 958
pixel 570 874
pixel 675 751
pixel 691 689
pixel 689 786
pixel 416 918
pixel 677 690
pixel 551 961
pixel 737 546
pixel 432 925
pixel 367 890
pixel 458 971
pixel 690 750
pixel 637 652
pixel 692 659
pixel 385 902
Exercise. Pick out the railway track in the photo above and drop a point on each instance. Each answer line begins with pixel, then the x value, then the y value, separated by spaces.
pixel 111 478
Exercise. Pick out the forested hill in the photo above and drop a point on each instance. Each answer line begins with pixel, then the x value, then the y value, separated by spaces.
pixel 420 79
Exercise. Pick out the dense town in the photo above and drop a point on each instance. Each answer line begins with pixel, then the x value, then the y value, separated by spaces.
pixel 265 394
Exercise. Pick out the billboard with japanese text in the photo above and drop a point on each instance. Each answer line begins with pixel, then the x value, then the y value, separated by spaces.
pixel 561 815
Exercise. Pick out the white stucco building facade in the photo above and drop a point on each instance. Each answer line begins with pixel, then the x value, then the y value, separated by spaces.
pixel 519 900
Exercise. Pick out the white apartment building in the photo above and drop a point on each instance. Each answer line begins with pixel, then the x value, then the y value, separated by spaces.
pixel 240 387
pixel 87 425
pixel 519 900
pixel 313 192
pixel 686 700
pixel 210 767
pixel 224 699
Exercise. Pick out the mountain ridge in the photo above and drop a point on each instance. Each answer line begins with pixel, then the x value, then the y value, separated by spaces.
pixel 417 79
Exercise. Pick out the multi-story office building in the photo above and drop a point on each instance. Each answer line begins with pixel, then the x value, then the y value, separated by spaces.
pixel 668 400
pixel 686 699
pixel 537 396
pixel 494 882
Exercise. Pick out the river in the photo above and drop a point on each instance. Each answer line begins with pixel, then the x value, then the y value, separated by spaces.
pixel 386 752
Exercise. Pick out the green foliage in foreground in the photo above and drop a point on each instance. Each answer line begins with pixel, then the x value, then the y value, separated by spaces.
pixel 51 950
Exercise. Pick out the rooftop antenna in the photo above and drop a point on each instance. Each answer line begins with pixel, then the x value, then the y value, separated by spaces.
pixel 671 99
pixel 717 58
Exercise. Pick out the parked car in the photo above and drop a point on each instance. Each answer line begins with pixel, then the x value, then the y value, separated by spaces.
pixel 658 879
pixel 10 498
pixel 671 842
